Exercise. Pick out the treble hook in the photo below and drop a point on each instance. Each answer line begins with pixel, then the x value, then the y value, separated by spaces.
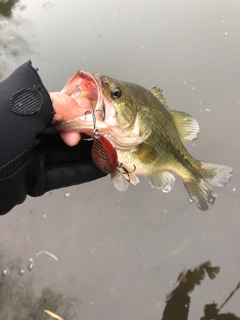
pixel 95 129
pixel 120 165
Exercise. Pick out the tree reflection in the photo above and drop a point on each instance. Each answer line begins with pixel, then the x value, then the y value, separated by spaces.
pixel 6 7
pixel 14 36
pixel 211 312
pixel 17 300
pixel 178 301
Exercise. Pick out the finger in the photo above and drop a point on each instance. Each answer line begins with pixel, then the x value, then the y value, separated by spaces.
pixel 67 108
pixel 70 138
pixel 85 105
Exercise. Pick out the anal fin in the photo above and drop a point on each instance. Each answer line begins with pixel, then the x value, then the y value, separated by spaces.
pixel 162 180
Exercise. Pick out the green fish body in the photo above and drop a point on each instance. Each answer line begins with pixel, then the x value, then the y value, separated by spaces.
pixel 148 137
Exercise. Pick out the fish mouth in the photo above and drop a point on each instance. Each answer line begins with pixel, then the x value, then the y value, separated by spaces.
pixel 100 115
pixel 82 86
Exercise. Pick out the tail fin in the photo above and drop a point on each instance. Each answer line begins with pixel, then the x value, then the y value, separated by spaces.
pixel 216 174
pixel 199 190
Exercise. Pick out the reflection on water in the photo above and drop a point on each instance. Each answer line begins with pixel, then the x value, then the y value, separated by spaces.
pixel 211 312
pixel 6 7
pixel 17 301
pixel 178 301
pixel 14 36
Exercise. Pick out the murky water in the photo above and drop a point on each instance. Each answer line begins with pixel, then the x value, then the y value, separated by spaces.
pixel 96 253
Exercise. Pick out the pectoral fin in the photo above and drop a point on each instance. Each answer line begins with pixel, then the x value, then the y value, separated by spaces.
pixel 145 153
pixel 162 180
pixel 186 125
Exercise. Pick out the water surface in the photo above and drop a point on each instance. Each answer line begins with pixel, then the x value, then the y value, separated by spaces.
pixel 101 254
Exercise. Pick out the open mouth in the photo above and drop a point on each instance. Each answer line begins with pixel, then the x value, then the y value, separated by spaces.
pixel 84 88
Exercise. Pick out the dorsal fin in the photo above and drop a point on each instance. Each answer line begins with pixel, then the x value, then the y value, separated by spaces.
pixel 159 94
pixel 187 126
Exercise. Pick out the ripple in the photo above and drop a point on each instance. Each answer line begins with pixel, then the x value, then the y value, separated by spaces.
pixel 17 292
pixel 7 263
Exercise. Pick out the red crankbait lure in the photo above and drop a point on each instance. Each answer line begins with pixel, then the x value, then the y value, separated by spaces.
pixel 104 156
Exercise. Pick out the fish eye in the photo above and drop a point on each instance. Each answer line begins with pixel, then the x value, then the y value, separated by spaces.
pixel 116 92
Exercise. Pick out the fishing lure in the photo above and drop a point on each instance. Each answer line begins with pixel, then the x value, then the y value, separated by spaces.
pixel 104 156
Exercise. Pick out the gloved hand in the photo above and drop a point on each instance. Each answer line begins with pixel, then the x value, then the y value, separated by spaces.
pixel 50 165
pixel 55 165
pixel 34 157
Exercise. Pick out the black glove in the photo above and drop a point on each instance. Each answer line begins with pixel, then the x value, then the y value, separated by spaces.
pixel 50 165
pixel 33 161
pixel 57 165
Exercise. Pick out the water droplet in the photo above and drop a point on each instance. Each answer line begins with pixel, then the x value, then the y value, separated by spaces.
pixel 44 216
pixel 7 262
pixel 30 267
pixel 167 189
pixel 226 34
pixel 234 189
pixel 211 200
pixel 5 272
pixel 67 194
pixel 21 272
pixel 190 201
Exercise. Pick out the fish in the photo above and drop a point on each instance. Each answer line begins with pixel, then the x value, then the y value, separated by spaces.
pixel 147 135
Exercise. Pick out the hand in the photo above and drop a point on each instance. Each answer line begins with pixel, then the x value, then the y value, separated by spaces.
pixel 67 108
pixel 55 165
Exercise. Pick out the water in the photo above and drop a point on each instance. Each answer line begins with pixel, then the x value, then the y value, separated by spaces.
pixel 120 254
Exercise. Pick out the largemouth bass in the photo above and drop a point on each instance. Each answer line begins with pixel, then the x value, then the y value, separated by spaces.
pixel 146 134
